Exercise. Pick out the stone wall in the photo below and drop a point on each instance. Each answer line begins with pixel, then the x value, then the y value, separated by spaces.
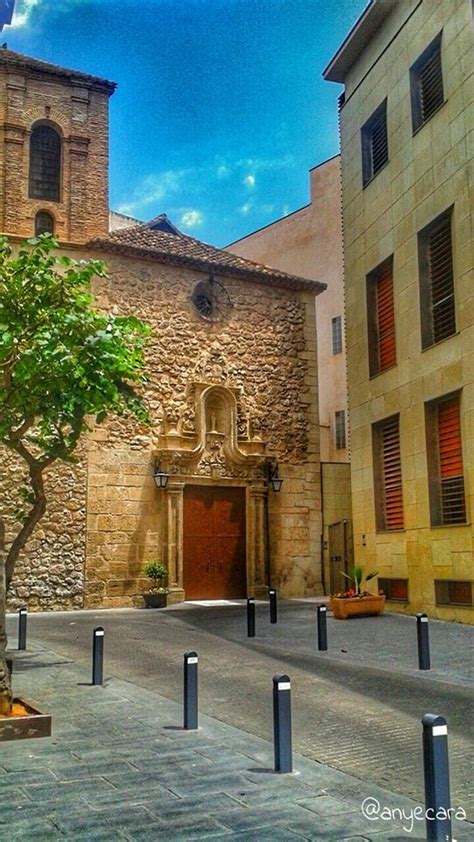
pixel 264 354
pixel 50 571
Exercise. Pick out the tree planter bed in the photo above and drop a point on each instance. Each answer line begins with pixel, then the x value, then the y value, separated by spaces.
pixel 24 723
pixel 357 606
pixel 155 600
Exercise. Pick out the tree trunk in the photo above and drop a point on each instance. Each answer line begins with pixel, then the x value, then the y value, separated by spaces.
pixel 5 686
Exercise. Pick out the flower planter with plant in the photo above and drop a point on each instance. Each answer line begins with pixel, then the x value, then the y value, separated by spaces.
pixel 156 596
pixel 356 601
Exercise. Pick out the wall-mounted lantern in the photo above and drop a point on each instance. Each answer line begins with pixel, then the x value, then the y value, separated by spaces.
pixel 272 476
pixel 161 477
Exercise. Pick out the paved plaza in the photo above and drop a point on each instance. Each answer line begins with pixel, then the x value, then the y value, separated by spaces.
pixel 119 766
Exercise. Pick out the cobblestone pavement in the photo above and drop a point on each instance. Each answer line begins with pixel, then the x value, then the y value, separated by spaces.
pixel 356 708
pixel 119 767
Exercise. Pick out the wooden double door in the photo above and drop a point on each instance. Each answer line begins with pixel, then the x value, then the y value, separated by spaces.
pixel 214 542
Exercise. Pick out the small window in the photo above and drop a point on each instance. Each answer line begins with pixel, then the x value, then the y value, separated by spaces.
pixel 340 429
pixel 388 475
pixel 445 462
pixel 45 164
pixel 374 143
pixel 337 335
pixel 44 223
pixel 381 318
pixel 449 592
pixel 426 84
pixel 395 590
pixel 437 302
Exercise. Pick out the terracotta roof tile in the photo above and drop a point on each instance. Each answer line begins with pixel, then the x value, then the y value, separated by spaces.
pixel 182 250
pixel 21 62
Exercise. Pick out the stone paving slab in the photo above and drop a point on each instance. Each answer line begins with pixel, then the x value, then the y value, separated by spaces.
pixel 118 766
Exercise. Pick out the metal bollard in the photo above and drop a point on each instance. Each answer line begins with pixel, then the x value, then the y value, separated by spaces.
pixel 282 723
pixel 272 595
pixel 322 628
pixel 190 691
pixel 98 656
pixel 423 642
pixel 436 771
pixel 22 619
pixel 250 617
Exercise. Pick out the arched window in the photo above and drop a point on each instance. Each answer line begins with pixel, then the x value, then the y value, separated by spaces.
pixel 44 223
pixel 45 164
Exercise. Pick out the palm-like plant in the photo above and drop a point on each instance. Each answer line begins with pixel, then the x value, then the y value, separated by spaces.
pixel 356 575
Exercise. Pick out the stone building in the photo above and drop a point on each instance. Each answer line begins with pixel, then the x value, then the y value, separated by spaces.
pixel 405 116
pixel 232 392
pixel 309 242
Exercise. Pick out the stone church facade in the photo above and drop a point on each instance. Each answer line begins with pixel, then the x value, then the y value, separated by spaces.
pixel 232 388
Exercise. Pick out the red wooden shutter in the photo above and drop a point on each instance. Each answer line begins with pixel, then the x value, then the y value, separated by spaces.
pixel 386 320
pixel 450 462
pixel 392 475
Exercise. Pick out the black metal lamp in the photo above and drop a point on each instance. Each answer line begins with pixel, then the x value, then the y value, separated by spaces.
pixel 161 477
pixel 273 478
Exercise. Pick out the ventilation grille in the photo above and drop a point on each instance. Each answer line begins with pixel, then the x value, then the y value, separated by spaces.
pixel 378 144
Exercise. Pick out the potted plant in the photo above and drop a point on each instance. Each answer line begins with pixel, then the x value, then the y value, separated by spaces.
pixel 156 597
pixel 356 601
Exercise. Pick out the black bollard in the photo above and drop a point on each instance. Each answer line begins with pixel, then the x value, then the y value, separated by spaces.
pixel 282 723
pixel 436 770
pixel 22 619
pixel 423 642
pixel 322 628
pixel 251 617
pixel 190 691
pixel 272 595
pixel 98 656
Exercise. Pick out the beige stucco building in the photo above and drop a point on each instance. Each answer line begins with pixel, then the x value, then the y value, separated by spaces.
pixel 233 389
pixel 309 242
pixel 405 118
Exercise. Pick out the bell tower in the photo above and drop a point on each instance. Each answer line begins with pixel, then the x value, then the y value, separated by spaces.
pixel 54 153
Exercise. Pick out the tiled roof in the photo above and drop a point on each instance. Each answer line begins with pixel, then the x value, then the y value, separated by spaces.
pixel 181 250
pixel 19 61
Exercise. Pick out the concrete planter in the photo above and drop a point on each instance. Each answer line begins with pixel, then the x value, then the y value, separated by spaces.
pixel 357 606
pixel 34 725
pixel 155 600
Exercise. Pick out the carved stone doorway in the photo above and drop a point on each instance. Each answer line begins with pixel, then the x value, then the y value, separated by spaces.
pixel 214 542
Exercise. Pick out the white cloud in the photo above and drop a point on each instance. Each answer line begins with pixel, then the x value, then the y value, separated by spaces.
pixel 155 189
pixel 191 218
pixel 249 180
pixel 22 13
pixel 24 9
pixel 223 171
pixel 245 208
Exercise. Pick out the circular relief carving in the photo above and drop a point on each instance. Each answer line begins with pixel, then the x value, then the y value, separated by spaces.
pixel 211 300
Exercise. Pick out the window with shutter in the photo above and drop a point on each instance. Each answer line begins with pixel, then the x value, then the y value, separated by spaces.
pixel 45 164
pixel 451 592
pixel 426 84
pixel 453 508
pixel 381 318
pixel 388 475
pixel 374 143
pixel 395 590
pixel 437 300
pixel 340 429
pixel 445 463
pixel 337 335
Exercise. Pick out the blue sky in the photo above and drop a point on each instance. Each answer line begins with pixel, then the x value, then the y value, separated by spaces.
pixel 221 108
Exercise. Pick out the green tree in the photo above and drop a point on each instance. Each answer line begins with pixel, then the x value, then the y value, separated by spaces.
pixel 63 366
